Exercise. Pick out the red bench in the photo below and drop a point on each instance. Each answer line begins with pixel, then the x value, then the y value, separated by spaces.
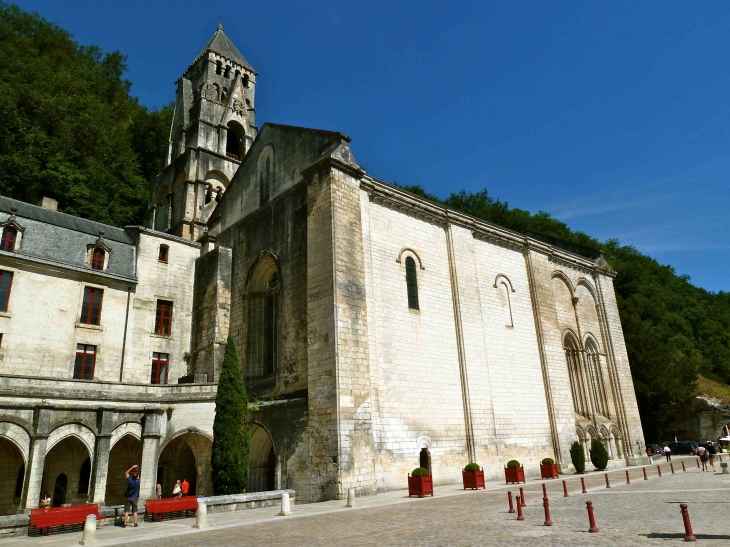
pixel 158 508
pixel 54 517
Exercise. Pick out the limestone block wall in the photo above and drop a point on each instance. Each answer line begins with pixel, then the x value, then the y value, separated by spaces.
pixel 173 281
pixel 415 377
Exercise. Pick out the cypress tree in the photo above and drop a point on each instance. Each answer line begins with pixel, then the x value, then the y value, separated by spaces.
pixel 231 441
pixel 578 456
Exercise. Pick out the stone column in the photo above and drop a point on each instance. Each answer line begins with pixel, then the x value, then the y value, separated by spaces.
pixel 36 460
pixel 150 443
pixel 100 468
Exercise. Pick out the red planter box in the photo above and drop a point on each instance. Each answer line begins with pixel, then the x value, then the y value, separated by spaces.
pixel 514 474
pixel 420 486
pixel 549 471
pixel 473 479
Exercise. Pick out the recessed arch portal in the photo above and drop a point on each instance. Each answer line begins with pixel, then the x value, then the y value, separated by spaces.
pixel 262 463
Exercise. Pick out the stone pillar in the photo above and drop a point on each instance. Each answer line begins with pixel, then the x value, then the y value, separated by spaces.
pixel 150 443
pixel 36 460
pixel 100 467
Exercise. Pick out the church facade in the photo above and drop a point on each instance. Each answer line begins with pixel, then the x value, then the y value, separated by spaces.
pixel 369 324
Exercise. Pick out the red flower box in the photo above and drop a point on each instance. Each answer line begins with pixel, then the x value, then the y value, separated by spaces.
pixel 420 486
pixel 473 479
pixel 514 474
pixel 549 471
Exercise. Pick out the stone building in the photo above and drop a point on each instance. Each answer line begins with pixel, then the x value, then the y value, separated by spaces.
pixel 369 324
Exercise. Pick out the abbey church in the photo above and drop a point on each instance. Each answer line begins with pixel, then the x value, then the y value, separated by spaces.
pixel 369 324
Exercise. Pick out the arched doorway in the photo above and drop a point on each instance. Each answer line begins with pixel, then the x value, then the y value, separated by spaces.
pixel 186 457
pixel 63 469
pixel 12 476
pixel 262 461
pixel 125 453
pixel 235 141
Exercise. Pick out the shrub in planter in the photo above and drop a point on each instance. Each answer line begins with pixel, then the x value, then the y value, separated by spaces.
pixel 599 455
pixel 578 456
pixel 420 483
pixel 473 476
pixel 548 469
pixel 514 472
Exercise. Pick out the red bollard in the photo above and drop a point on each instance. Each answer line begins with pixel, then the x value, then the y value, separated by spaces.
pixel 659 469
pixel 509 497
pixel 583 484
pixel 591 518
pixel 671 466
pixel 522 497
pixel 684 469
pixel 519 509
pixel 698 464
pixel 608 485
pixel 544 492
pixel 644 470
pixel 565 490
pixel 688 535
pixel 628 480
pixel 546 505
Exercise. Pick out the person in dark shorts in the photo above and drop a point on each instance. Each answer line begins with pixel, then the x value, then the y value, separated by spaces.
pixel 131 494
pixel 712 454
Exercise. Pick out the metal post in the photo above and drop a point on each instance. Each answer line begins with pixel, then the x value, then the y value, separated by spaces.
pixel 583 484
pixel 591 518
pixel 544 492
pixel 522 497
pixel 688 534
pixel 671 466
pixel 519 509
pixel 565 490
pixel 608 484
pixel 659 470
pixel 684 469
pixel 509 498
pixel 628 479
pixel 644 470
pixel 546 505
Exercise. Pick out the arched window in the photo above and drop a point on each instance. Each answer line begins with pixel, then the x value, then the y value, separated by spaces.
pixel 412 283
pixel 245 80
pixel 97 258
pixel 10 235
pixel 237 73
pixel 595 374
pixel 265 182
pixel 227 73
pixel 217 89
pixel 218 67
pixel 262 324
pixel 85 476
pixel 575 372
pixel 224 94
pixel 234 140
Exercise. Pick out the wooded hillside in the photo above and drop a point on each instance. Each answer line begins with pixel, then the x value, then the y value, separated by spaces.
pixel 70 129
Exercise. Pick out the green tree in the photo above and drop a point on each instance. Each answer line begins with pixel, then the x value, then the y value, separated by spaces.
pixel 66 121
pixel 578 456
pixel 599 454
pixel 231 441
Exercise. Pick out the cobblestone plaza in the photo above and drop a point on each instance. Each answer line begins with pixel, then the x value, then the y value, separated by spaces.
pixel 645 512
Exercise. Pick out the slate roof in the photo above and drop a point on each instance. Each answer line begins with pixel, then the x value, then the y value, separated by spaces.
pixel 56 218
pixel 221 45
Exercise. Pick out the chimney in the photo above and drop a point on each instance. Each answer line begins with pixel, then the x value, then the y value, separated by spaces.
pixel 48 203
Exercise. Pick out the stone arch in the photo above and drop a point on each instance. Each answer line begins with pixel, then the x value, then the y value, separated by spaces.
pixel 14 450
pixel 617 442
pixel 127 428
pixel 235 140
pixel 80 431
pixel 410 251
pixel 504 287
pixel 557 274
pixel 595 376
pixel 262 463
pixel 262 302
pixel 186 455
pixel 505 280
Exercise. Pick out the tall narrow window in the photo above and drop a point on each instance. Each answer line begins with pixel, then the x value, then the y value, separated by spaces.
pixel 163 318
pixel 6 283
pixel 91 307
pixel 19 481
pixel 227 73
pixel 218 67
pixel 270 333
pixel 85 361
pixel 97 258
pixel 163 253
pixel 575 373
pixel 262 331
pixel 245 80
pixel 159 368
pixel 412 283
pixel 7 243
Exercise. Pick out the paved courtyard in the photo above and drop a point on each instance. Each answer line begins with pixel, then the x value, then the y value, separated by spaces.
pixel 645 512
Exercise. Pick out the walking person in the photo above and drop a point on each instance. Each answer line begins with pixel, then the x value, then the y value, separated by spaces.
pixel 668 453
pixel 712 453
pixel 702 453
pixel 177 490
pixel 185 487
pixel 131 494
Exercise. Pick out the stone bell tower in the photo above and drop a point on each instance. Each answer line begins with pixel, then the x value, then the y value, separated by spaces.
pixel 212 129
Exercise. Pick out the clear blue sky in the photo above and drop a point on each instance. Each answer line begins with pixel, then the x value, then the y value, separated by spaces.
pixel 612 116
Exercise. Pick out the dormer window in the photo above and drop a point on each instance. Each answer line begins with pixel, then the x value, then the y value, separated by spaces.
pixel 10 235
pixel 97 258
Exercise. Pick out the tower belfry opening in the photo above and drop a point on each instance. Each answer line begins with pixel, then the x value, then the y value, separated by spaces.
pixel 213 127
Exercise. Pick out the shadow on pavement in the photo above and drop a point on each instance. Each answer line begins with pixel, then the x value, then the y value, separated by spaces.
pixel 681 536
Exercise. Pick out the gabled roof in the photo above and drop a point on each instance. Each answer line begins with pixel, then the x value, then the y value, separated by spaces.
pixel 221 45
